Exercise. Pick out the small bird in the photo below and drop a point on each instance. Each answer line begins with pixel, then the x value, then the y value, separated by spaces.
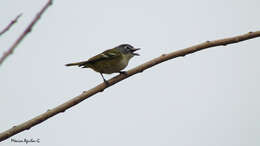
pixel 110 61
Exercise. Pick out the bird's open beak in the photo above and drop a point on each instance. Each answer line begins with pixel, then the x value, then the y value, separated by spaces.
pixel 135 49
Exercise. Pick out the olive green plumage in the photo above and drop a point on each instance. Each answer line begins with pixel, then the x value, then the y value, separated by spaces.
pixel 110 61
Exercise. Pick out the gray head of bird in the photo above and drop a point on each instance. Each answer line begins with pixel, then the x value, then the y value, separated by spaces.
pixel 128 50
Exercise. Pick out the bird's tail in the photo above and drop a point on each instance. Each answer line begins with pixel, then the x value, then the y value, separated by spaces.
pixel 83 64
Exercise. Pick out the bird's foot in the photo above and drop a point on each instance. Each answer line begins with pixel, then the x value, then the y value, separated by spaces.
pixel 123 72
pixel 106 82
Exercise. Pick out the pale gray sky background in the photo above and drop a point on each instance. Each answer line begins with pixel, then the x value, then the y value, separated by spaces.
pixel 210 98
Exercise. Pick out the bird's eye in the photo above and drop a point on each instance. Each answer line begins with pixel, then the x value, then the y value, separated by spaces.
pixel 128 47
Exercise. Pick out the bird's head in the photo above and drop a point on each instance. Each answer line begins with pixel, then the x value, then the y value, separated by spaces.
pixel 128 50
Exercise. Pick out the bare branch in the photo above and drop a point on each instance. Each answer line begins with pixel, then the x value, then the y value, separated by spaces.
pixel 101 87
pixel 10 24
pixel 26 31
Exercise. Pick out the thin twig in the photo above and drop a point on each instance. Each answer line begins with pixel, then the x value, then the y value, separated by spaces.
pixel 101 87
pixel 10 24
pixel 26 31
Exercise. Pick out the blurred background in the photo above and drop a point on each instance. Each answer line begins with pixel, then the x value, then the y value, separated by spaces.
pixel 207 98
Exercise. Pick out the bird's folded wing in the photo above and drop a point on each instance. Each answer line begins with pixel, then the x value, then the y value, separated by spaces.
pixel 106 55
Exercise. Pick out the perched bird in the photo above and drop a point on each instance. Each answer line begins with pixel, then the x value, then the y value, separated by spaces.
pixel 110 61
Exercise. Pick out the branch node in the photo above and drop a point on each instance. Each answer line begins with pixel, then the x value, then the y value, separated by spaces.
pixel 10 24
pixel 28 30
pixel 163 55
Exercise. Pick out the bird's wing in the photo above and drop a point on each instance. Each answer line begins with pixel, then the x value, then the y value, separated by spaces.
pixel 106 55
pixel 109 54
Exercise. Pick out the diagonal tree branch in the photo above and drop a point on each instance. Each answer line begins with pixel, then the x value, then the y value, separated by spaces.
pixel 101 87
pixel 10 24
pixel 26 31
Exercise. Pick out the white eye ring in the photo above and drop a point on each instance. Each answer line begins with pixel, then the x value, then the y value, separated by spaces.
pixel 127 47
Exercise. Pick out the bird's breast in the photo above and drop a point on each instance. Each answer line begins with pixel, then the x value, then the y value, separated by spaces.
pixel 110 66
